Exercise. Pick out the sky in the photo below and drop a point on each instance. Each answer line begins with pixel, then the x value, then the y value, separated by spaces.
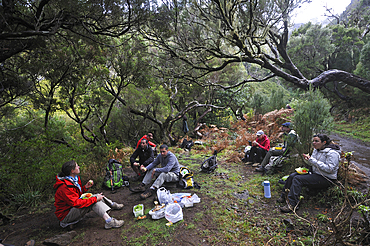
pixel 314 11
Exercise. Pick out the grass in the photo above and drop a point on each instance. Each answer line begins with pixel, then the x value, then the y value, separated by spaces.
pixel 359 129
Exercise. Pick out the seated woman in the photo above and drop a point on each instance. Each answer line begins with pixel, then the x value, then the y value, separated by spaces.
pixel 70 208
pixel 324 163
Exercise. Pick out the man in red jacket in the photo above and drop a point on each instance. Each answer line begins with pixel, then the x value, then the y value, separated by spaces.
pixel 148 137
pixel 259 148
pixel 71 206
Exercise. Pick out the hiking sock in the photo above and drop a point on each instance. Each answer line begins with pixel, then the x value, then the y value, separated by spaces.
pixel 108 220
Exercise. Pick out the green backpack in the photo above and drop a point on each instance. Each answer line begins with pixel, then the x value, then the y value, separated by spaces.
pixel 114 175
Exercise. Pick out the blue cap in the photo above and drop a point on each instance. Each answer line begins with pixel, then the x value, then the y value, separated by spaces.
pixel 286 124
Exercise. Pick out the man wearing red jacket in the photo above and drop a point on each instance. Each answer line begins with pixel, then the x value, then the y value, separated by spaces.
pixel 71 207
pixel 148 137
pixel 259 148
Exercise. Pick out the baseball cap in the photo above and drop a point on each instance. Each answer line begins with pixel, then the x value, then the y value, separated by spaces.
pixel 286 124
pixel 260 132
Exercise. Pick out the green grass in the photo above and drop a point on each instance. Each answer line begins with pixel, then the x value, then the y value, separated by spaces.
pixel 359 129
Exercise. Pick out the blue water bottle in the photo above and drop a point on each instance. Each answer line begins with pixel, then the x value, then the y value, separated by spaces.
pixel 266 186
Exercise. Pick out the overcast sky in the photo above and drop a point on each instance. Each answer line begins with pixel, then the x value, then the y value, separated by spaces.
pixel 314 11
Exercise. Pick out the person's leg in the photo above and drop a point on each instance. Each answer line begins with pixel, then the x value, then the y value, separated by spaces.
pixel 309 180
pixel 101 208
pixel 148 177
pixel 74 216
pixel 252 154
pixel 260 154
pixel 163 177
pixel 269 154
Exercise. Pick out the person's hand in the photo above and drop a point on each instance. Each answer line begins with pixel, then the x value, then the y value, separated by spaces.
pixel 255 143
pixel 142 168
pixel 306 156
pixel 89 184
pixel 99 197
pixel 153 172
pixel 136 164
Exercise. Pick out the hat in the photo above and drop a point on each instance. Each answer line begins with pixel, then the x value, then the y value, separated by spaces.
pixel 286 124
pixel 260 132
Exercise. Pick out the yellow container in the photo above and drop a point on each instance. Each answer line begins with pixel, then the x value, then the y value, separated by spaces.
pixel 278 148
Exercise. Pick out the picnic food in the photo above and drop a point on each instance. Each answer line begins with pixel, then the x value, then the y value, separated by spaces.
pixel 158 207
pixel 302 170
pixel 91 182
pixel 86 195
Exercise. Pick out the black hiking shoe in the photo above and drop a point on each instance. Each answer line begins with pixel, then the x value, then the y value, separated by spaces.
pixel 137 189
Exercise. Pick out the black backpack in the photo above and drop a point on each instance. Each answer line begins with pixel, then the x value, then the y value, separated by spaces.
pixel 187 144
pixel 210 164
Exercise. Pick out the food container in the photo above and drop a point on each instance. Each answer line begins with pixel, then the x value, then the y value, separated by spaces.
pixel 138 210
pixel 157 214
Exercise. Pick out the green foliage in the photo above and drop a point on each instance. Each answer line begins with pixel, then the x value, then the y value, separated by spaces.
pixel 311 116
pixel 363 67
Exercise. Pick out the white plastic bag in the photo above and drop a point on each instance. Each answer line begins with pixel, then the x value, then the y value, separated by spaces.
pixel 164 196
pixel 173 212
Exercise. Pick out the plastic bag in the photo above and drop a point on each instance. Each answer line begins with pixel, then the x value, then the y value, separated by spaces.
pixel 164 196
pixel 173 212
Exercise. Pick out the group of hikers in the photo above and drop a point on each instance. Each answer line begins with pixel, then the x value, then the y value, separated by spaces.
pixel 70 208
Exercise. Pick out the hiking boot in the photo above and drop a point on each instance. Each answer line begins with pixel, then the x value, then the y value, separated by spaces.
pixel 248 163
pixel 114 224
pixel 139 188
pixel 281 200
pixel 255 164
pixel 148 193
pixel 260 169
pixel 117 206
pixel 285 209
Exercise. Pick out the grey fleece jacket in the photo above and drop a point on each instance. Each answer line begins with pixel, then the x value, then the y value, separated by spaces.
pixel 325 162
pixel 168 163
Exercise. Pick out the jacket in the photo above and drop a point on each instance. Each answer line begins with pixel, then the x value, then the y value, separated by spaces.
pixel 264 143
pixel 325 162
pixel 68 195
pixel 168 163
pixel 145 137
pixel 146 156
pixel 289 141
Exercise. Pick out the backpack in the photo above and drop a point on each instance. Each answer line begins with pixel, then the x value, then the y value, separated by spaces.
pixel 210 164
pixel 115 173
pixel 187 144
pixel 275 163
pixel 186 179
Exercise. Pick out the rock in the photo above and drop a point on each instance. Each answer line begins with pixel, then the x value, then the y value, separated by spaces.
pixel 61 240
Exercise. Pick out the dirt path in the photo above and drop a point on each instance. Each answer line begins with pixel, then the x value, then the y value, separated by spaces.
pixel 360 148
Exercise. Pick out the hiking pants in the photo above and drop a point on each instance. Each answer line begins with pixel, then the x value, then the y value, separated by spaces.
pixel 162 177
pixel 296 181
pixel 76 214
pixel 257 154
pixel 271 152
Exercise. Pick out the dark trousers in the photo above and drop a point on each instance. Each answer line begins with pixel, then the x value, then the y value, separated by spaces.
pixel 296 181
pixel 256 154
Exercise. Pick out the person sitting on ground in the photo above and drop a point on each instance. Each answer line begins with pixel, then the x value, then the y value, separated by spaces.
pixel 259 148
pixel 70 208
pixel 148 137
pixel 169 172
pixel 290 138
pixel 146 156
pixel 324 164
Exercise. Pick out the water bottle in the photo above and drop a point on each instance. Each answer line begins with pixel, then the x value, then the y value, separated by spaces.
pixel 266 186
